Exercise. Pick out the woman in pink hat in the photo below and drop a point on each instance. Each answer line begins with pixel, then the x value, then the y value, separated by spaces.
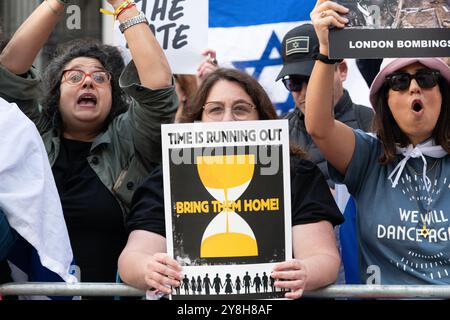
pixel 399 176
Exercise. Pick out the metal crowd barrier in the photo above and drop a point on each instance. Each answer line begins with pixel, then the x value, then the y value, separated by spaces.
pixel 334 291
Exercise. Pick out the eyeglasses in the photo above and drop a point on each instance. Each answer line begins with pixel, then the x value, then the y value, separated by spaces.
pixel 400 81
pixel 294 83
pixel 75 76
pixel 215 110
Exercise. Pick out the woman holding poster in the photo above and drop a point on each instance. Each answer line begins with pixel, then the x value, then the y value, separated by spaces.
pixel 399 177
pixel 232 95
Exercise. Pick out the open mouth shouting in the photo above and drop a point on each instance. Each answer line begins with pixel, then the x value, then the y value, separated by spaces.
pixel 417 106
pixel 87 100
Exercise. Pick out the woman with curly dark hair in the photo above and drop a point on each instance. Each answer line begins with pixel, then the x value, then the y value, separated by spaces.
pixel 108 56
pixel 100 144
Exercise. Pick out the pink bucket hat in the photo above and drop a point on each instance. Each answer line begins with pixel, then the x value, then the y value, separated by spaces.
pixel 390 65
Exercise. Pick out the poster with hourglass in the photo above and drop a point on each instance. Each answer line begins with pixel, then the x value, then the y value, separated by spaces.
pixel 227 206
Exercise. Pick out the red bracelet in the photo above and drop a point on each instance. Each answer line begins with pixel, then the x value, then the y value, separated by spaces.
pixel 131 5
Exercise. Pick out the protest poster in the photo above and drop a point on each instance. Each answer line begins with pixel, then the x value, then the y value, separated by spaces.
pixel 181 28
pixel 227 206
pixel 393 28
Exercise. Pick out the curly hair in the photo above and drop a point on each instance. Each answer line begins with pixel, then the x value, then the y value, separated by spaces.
pixel 390 133
pixel 108 56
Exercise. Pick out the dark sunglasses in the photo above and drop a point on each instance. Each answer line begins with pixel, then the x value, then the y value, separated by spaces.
pixel 294 83
pixel 400 81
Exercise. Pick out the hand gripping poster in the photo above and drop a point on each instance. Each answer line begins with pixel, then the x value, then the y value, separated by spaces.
pixel 227 206
pixel 393 28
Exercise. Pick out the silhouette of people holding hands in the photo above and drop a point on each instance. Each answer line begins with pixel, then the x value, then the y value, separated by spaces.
pixel 257 283
pixel 207 284
pixel 228 284
pixel 237 284
pixel 247 282
pixel 265 281
pixel 199 285
pixel 272 283
pixel 186 284
pixel 217 284
pixel 193 286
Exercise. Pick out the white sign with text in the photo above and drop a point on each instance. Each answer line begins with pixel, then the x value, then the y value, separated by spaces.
pixel 181 27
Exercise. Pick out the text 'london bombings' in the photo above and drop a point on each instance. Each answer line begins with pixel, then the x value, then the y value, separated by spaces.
pixel 400 44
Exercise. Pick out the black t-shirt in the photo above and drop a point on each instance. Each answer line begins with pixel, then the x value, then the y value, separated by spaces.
pixel 93 216
pixel 311 199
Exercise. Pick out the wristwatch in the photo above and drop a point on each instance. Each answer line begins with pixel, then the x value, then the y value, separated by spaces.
pixel 140 18
pixel 325 59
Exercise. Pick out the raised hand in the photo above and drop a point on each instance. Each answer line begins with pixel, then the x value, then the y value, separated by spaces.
pixel 327 14
pixel 208 65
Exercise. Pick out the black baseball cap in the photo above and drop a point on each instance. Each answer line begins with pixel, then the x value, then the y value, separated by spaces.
pixel 298 49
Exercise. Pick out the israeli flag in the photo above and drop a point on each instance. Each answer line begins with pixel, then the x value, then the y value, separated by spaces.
pixel 247 35
pixel 30 201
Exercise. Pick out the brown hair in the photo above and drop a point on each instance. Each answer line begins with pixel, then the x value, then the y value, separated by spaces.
pixel 187 83
pixel 390 133
pixel 188 86
pixel 194 109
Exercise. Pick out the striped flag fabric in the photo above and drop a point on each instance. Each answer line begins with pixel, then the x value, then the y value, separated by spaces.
pixel 247 35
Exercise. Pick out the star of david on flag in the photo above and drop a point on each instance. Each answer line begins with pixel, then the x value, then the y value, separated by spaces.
pixel 247 35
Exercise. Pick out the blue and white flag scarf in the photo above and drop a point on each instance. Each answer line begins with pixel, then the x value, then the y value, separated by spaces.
pixel 30 200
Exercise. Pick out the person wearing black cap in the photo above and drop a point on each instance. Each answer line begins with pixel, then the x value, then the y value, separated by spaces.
pixel 300 49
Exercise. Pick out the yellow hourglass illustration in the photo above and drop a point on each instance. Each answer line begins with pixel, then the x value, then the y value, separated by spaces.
pixel 226 178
